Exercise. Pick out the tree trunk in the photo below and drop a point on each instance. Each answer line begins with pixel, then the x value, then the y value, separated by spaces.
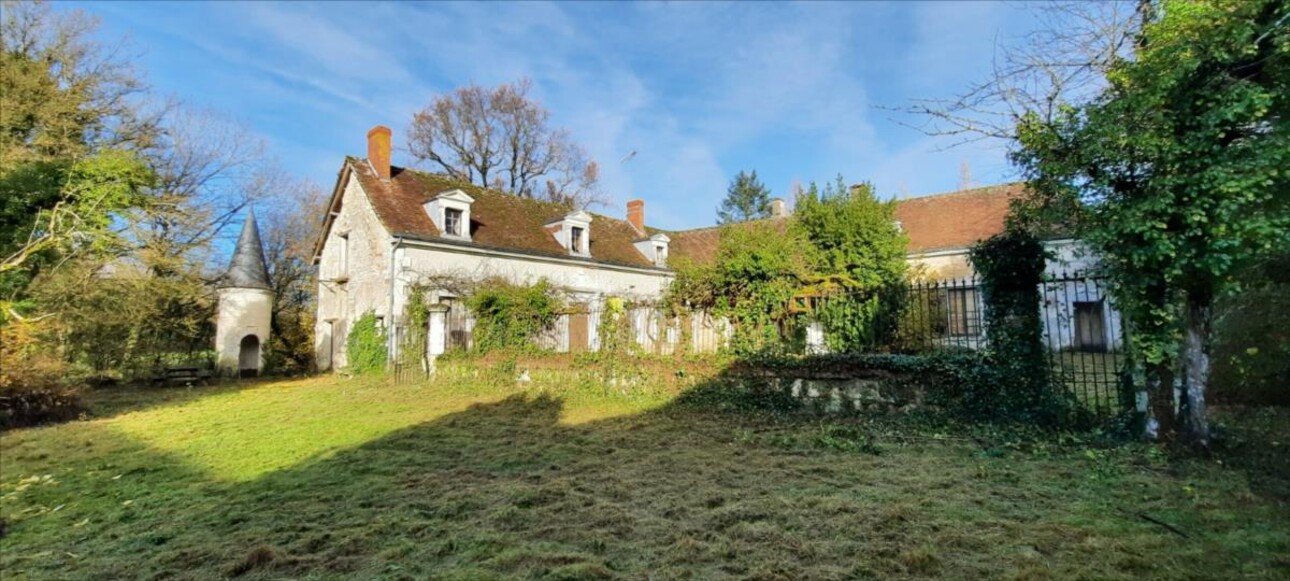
pixel 1160 396
pixel 1196 357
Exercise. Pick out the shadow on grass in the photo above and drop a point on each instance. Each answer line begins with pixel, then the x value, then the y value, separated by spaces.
pixel 504 489
pixel 106 402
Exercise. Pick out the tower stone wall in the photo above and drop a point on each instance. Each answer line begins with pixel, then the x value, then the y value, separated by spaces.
pixel 245 307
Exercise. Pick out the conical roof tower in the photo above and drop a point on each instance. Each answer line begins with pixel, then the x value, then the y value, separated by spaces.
pixel 247 269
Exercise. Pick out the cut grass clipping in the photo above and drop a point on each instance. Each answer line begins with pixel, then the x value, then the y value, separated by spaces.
pixel 466 478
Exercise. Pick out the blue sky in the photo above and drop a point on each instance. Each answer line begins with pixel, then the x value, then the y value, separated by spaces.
pixel 699 90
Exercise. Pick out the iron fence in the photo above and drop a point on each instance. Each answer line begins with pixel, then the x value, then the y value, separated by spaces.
pixel 1082 331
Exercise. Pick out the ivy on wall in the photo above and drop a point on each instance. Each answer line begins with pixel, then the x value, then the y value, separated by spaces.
pixel 1010 266
pixel 510 316
pixel 366 347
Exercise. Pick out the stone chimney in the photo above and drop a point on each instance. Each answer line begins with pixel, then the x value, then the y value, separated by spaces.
pixel 636 215
pixel 378 150
pixel 777 208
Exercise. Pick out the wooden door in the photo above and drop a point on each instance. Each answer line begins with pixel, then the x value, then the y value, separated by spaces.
pixel 579 332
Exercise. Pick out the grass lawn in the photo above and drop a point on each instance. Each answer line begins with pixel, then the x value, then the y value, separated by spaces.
pixel 454 478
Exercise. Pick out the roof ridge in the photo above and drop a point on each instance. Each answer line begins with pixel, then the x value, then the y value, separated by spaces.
pixel 720 226
pixel 949 193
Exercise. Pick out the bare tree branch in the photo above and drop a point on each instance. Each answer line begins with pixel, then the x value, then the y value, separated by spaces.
pixel 1063 61
pixel 501 138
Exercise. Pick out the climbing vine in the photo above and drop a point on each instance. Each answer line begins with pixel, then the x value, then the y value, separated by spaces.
pixel 1011 269
pixel 510 316
pixel 366 347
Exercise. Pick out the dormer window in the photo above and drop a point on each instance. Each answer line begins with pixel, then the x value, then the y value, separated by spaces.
pixel 452 221
pixel 577 240
pixel 450 212
pixel 573 232
pixel 654 248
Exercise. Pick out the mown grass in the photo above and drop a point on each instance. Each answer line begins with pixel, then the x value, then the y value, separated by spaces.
pixel 469 477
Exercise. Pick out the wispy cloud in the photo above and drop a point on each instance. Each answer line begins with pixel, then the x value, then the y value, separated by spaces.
pixel 698 90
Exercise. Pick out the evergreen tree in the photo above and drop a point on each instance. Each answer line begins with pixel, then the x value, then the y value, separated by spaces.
pixel 746 199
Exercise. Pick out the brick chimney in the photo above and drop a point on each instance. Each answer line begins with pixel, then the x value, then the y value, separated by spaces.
pixel 636 215
pixel 378 150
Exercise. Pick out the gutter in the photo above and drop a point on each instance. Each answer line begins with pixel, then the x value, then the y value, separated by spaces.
pixel 478 249
pixel 395 244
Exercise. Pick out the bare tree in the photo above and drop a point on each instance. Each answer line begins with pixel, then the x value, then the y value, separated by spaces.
pixel 500 138
pixel 291 225
pixel 1063 61
pixel 209 168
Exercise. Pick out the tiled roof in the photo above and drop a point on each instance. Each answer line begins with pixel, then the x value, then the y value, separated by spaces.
pixel 700 245
pixel 956 219
pixel 505 222
pixel 497 220
pixel 935 222
pixel 246 269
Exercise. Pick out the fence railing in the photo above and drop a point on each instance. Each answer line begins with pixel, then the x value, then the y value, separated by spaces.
pixel 1082 330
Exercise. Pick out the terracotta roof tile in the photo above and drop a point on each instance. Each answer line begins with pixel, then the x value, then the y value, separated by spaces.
pixel 502 221
pixel 935 222
pixel 955 219
pixel 497 220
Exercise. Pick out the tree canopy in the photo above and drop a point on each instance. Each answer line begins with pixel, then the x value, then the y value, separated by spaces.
pixel 746 199
pixel 1176 173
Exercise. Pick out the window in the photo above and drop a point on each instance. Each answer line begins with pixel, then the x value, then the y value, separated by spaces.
pixel 577 240
pixel 452 222
pixel 660 254
pixel 963 312
pixel 1090 326
pixel 344 256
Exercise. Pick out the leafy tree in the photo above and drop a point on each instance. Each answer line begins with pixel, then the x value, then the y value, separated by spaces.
pixel 90 196
pixel 501 138
pixel 291 227
pixel 861 252
pixel 1177 174
pixel 746 199
pixel 759 267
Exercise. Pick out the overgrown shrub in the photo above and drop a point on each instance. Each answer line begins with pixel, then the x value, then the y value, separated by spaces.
pixel 33 387
pixel 510 316
pixel 1011 268
pixel 1251 352
pixel 366 347
pixel 860 254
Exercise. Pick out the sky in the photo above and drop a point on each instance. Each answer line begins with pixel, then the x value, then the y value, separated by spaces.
pixel 699 90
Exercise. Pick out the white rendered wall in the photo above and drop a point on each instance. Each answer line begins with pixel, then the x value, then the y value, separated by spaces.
pixel 367 288
pixel 584 281
pixel 369 248
pixel 242 312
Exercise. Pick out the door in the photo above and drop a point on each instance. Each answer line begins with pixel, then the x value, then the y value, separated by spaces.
pixel 1090 326
pixel 579 332
pixel 248 357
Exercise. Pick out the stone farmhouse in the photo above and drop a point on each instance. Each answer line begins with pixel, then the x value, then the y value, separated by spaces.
pixel 389 228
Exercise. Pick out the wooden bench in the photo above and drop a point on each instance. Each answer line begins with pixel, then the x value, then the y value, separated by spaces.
pixel 186 375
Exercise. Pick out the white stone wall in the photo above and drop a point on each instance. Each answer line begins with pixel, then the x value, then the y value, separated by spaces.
pixel 242 312
pixel 367 287
pixel 370 247
pixel 1069 257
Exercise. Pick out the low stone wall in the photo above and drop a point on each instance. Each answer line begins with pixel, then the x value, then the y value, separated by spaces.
pixel 853 383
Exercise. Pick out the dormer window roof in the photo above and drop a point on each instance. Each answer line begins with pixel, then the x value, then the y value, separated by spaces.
pixel 654 248
pixel 450 212
pixel 573 232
